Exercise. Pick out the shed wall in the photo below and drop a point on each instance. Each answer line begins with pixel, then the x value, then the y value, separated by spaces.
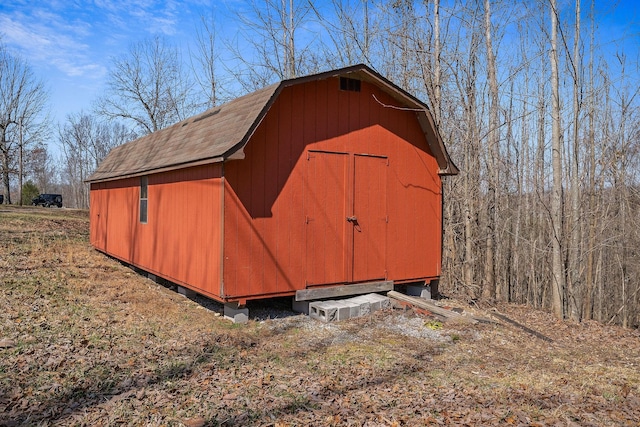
pixel 287 203
pixel 182 239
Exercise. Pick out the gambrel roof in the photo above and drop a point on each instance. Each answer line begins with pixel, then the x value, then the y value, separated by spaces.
pixel 220 133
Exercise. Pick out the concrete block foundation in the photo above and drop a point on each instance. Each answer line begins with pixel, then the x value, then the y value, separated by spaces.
pixel 419 291
pixel 334 310
pixel 236 314
pixel 186 292
pixel 300 306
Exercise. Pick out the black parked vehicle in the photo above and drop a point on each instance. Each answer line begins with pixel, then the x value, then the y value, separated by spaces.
pixel 1 199
pixel 48 200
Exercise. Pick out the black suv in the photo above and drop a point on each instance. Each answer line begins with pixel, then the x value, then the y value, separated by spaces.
pixel 48 200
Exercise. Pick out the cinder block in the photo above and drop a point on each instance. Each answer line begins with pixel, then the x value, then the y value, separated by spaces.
pixel 375 301
pixel 364 305
pixel 235 313
pixel 354 308
pixel 186 292
pixel 365 308
pixel 358 300
pixel 323 310
pixel 300 306
pixel 385 302
pixel 419 291
pixel 346 309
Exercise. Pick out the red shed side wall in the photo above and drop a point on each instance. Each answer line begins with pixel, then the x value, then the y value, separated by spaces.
pixel 182 239
pixel 334 188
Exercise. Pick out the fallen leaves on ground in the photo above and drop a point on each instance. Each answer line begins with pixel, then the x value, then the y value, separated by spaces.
pixel 85 340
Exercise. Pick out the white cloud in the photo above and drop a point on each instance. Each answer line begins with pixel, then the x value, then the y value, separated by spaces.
pixel 142 15
pixel 45 39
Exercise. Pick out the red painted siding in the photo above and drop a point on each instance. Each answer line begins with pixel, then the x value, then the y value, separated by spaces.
pixel 322 155
pixel 325 206
pixel 182 239
pixel 368 223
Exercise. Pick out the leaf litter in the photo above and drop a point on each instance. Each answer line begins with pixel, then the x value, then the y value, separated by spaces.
pixel 86 341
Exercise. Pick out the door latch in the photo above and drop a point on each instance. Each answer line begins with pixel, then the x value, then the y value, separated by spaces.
pixel 353 219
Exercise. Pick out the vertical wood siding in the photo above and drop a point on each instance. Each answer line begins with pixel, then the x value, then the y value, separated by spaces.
pixel 320 156
pixel 325 206
pixel 182 240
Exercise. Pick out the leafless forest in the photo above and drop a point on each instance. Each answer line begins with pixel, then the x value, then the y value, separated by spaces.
pixel 537 104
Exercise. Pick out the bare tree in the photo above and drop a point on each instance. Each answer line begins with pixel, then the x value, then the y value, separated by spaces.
pixel 204 60
pixel 148 87
pixel 269 49
pixel 489 289
pixel 471 167
pixel 587 300
pixel 85 142
pixel 558 285
pixel 23 119
pixel 437 69
pixel 573 270
pixel 40 168
pixel 350 30
pixel 460 125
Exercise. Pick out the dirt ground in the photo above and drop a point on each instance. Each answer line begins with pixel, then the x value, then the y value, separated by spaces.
pixel 86 341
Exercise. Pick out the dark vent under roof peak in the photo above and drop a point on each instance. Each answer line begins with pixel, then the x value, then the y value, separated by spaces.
pixel 352 85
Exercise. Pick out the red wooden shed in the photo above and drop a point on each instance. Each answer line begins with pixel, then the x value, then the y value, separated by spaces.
pixel 329 180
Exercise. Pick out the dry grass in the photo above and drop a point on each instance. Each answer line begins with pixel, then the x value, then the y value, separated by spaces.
pixel 86 341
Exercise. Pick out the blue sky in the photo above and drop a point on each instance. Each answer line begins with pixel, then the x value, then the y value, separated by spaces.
pixel 70 43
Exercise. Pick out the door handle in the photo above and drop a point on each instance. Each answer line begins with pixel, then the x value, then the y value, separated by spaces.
pixel 353 219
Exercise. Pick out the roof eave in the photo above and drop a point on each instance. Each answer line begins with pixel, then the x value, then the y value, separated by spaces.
pixel 167 168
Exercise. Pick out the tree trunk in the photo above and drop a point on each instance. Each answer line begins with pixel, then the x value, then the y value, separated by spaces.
pixel 558 277
pixel 574 248
pixel 489 288
pixel 437 73
pixel 539 272
pixel 5 177
pixel 587 300
pixel 471 168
